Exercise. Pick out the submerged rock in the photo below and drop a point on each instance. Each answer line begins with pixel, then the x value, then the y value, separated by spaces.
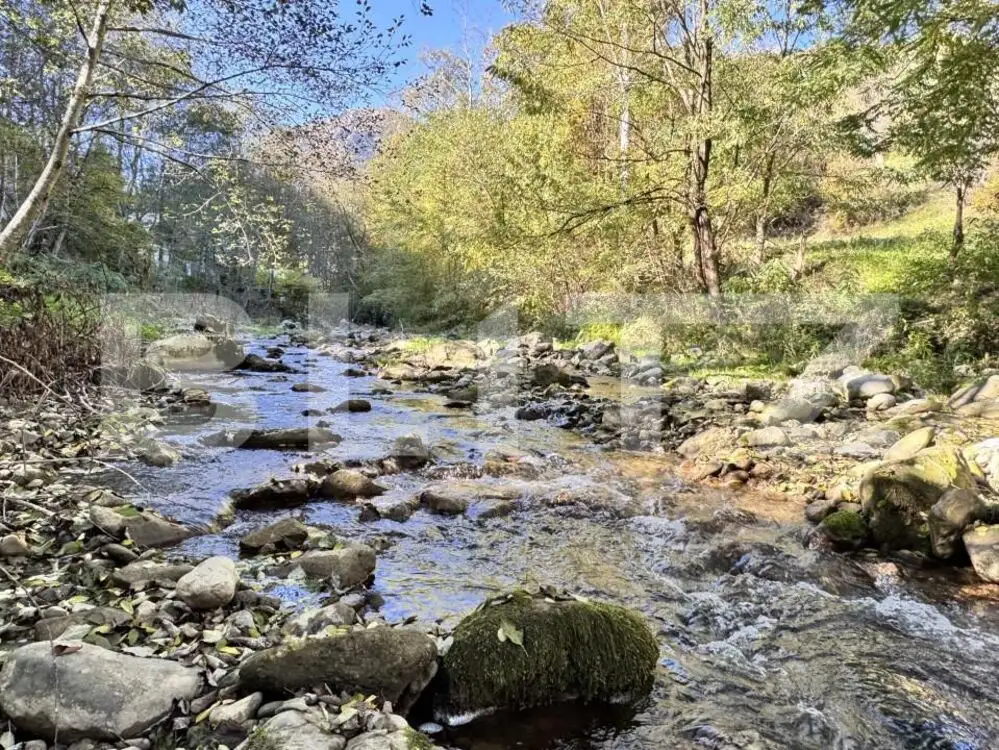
pixel 353 405
pixel 277 493
pixel 395 664
pixel 293 438
pixel 256 363
pixel 90 693
pixel 530 651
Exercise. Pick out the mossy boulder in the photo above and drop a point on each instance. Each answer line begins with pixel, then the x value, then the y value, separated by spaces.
pixel 846 529
pixel 550 651
pixel 898 495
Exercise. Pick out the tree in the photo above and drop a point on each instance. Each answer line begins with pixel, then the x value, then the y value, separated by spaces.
pixel 268 60
pixel 943 105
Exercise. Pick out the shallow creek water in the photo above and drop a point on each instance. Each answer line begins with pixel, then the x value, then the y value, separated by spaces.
pixel 764 644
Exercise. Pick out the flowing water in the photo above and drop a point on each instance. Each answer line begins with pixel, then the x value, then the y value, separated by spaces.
pixel 764 644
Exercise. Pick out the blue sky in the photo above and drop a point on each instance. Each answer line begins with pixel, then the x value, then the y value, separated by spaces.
pixel 453 24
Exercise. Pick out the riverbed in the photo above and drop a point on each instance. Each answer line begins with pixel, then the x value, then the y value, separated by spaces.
pixel 764 644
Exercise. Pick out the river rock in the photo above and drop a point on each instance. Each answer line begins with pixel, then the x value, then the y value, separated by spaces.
pixel 787 409
pixel 455 497
pixel 881 402
pixel 142 572
pixel 983 390
pixel 410 452
pixel 286 534
pixel 345 566
pixel 528 651
pixel 210 585
pixel 277 493
pixel 53 627
pixel 911 444
pixel 864 385
pixel 14 545
pixel 898 495
pixel 395 664
pixel 846 529
pixel 712 442
pixel 294 730
pixel 982 543
pixel 236 713
pixel 315 621
pixel 293 438
pixel 548 374
pixel 146 529
pixel 307 388
pixel 385 739
pixel 950 516
pixel 91 693
pixel 159 454
pixel 256 363
pixel 766 437
pixel 352 405
pixel 346 484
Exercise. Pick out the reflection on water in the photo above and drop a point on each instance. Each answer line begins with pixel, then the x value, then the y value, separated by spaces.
pixel 764 644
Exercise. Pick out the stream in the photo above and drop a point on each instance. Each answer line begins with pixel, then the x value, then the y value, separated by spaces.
pixel 764 643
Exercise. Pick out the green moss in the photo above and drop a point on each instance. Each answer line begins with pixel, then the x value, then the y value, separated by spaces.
pixel 846 526
pixel 260 740
pixel 418 740
pixel 570 649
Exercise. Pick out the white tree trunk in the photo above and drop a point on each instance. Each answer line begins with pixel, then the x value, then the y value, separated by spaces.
pixel 34 205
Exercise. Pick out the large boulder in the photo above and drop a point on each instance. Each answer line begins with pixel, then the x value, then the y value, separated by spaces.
pixel 410 452
pixel 950 516
pixel 982 543
pixel 529 651
pixel 395 664
pixel 897 496
pixel 210 585
pixel 90 693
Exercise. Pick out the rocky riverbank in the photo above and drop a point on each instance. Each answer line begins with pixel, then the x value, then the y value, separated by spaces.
pixel 114 640
pixel 871 459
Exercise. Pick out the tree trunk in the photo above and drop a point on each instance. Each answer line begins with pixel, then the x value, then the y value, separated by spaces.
pixel 763 215
pixel 958 243
pixel 705 243
pixel 37 200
